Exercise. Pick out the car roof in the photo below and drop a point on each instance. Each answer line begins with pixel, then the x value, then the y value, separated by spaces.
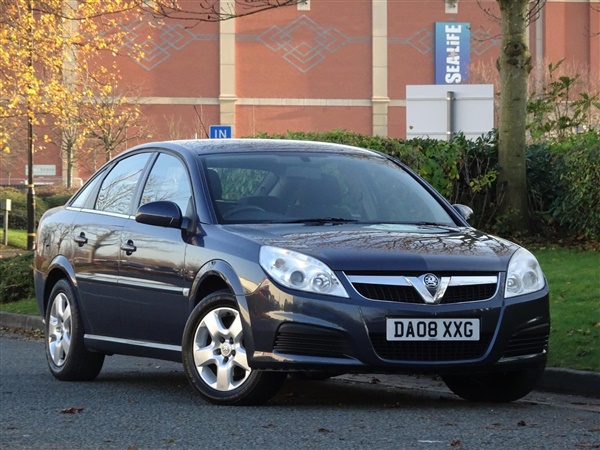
pixel 209 146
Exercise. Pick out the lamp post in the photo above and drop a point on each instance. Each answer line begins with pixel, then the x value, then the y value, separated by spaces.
pixel 30 186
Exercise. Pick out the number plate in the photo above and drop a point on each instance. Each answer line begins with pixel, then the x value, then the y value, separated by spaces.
pixel 432 330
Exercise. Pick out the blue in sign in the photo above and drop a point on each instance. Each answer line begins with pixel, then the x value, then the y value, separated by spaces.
pixel 220 131
pixel 452 52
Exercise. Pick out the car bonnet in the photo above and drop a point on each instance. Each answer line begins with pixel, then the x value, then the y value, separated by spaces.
pixel 387 247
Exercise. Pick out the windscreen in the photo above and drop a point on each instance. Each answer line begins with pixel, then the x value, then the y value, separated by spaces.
pixel 272 187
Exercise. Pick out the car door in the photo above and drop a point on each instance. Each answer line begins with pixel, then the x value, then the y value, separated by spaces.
pixel 96 235
pixel 153 298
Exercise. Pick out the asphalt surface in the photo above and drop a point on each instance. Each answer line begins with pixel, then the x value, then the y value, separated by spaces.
pixel 146 404
pixel 564 381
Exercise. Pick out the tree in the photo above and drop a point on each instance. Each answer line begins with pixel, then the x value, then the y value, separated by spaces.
pixel 111 117
pixel 41 43
pixel 514 65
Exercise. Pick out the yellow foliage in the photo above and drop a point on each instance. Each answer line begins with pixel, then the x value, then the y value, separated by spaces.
pixel 54 59
pixel 57 60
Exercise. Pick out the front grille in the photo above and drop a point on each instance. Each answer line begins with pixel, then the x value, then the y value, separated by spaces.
pixel 404 294
pixel 429 351
pixel 530 342
pixel 309 340
pixel 408 294
pixel 431 288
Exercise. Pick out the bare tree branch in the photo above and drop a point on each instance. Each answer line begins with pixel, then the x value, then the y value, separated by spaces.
pixel 203 11
pixel 210 10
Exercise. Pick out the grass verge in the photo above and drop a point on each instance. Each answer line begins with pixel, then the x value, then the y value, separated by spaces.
pixel 574 278
pixel 27 306
pixel 17 238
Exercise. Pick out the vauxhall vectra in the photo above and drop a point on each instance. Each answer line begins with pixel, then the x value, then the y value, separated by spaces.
pixel 247 260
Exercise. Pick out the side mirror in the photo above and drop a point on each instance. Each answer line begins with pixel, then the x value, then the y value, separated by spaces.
pixel 463 210
pixel 161 214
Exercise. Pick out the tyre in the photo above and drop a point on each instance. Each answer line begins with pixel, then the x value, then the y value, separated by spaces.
pixel 496 387
pixel 214 356
pixel 67 357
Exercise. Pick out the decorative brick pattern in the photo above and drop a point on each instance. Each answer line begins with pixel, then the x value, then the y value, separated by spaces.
pixel 303 42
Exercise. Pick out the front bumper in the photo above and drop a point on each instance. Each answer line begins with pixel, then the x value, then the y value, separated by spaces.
pixel 304 332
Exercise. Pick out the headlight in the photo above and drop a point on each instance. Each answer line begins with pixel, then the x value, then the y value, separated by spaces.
pixel 299 271
pixel 524 274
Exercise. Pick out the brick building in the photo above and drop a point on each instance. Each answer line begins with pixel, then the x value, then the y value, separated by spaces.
pixel 326 64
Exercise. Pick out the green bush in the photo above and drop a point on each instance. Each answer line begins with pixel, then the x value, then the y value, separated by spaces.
pixel 57 200
pixel 406 152
pixel 16 279
pixel 564 104
pixel 576 172
pixel 438 162
pixel 46 197
pixel 542 188
pixel 54 195
pixel 17 217
pixel 475 185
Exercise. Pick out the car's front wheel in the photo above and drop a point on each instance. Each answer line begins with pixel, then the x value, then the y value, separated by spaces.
pixel 496 387
pixel 68 359
pixel 214 356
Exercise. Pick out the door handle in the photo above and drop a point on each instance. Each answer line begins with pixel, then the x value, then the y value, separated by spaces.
pixel 81 239
pixel 128 247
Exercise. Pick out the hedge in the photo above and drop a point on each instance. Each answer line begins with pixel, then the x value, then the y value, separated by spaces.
pixel 16 278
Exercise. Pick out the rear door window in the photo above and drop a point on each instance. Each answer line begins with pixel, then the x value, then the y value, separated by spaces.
pixel 118 188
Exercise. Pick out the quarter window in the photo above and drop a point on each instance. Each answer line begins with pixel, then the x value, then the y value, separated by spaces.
pixel 83 198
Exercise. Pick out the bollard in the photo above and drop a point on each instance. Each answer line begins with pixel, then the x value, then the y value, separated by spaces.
pixel 5 206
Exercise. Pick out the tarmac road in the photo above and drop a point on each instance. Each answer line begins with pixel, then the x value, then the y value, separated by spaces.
pixel 139 403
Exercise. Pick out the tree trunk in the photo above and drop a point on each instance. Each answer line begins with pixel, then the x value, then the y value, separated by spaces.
pixel 514 65
pixel 69 149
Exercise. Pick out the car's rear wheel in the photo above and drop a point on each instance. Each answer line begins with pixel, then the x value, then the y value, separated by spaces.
pixel 67 357
pixel 496 387
pixel 214 356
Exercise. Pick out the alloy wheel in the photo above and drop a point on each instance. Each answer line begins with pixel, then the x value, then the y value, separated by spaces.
pixel 219 352
pixel 59 329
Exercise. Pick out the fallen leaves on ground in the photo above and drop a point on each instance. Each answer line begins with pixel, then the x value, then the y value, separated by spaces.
pixel 71 410
pixel 587 445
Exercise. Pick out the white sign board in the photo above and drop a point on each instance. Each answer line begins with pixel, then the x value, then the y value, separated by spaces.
pixel 40 170
pixel 427 110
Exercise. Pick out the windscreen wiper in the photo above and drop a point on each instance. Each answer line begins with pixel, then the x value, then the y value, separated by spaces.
pixel 322 220
pixel 436 225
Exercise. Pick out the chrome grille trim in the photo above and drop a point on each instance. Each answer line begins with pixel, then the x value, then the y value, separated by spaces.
pixel 411 289
pixel 460 280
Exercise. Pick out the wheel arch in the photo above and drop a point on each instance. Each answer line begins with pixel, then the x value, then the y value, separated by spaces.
pixel 218 275
pixel 60 269
pixel 215 275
